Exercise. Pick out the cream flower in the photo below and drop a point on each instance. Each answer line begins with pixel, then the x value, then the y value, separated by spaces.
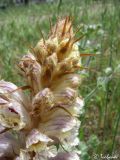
pixel 36 141
pixel 50 115
pixel 13 113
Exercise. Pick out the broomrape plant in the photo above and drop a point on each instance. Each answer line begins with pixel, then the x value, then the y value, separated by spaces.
pixel 43 123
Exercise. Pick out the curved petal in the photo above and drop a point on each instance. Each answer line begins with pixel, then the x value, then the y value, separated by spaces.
pixel 71 138
pixel 2 129
pixel 12 107
pixel 24 155
pixel 10 90
pixel 46 154
pixel 36 141
pixel 43 102
pixel 77 108
pixel 59 122
pixel 65 96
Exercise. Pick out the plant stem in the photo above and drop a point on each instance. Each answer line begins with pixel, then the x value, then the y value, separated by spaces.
pixel 108 86
pixel 115 133
pixel 91 94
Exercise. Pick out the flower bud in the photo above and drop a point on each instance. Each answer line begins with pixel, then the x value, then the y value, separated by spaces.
pixel 40 52
pixel 32 72
pixel 52 45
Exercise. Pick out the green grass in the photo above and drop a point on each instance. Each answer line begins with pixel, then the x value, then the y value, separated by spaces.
pixel 20 29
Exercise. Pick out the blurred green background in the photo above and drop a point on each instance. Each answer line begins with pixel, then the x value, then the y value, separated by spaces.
pixel 100 20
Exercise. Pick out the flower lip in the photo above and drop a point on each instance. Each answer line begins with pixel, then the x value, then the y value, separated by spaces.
pixel 13 113
pixel 12 110
pixel 37 140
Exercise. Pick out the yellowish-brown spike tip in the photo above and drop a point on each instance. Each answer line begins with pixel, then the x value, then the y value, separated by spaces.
pixel 64 27
pixel 55 30
pixel 42 37
pixel 70 27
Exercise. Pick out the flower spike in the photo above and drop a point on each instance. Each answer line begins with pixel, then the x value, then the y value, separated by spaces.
pixel 47 113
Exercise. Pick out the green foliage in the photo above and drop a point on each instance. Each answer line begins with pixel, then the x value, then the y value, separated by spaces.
pixel 20 29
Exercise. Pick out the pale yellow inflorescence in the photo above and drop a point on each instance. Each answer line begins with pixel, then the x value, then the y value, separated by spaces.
pixel 54 104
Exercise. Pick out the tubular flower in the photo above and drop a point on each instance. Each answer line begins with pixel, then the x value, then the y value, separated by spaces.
pixel 50 115
pixel 37 141
pixel 13 113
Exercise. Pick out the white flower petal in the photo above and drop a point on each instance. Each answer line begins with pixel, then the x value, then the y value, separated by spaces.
pixel 24 155
pixel 58 124
pixel 77 108
pixel 46 154
pixel 66 156
pixel 37 141
pixel 12 107
pixel 65 96
pixel 43 102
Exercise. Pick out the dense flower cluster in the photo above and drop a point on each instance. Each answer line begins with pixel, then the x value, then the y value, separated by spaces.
pixel 47 117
